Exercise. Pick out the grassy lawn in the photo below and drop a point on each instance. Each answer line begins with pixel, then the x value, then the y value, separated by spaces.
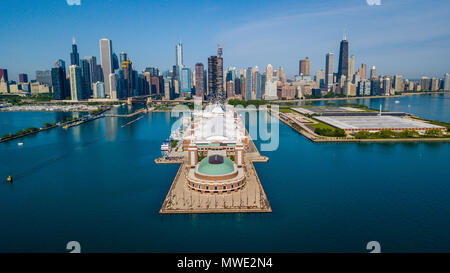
pixel 285 110
pixel 321 125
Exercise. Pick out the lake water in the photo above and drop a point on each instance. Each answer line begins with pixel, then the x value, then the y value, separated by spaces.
pixel 97 184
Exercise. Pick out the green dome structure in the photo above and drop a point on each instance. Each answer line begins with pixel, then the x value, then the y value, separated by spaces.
pixel 216 165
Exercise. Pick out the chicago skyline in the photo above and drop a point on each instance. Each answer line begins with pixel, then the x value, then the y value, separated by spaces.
pixel 374 41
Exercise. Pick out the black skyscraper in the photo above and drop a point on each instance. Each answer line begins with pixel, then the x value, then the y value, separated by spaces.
pixel 215 76
pixel 343 59
pixel 74 56
pixel 60 90
pixel 86 75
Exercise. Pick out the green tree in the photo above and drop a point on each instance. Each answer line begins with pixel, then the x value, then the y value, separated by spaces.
pixel 408 134
pixel 362 135
pixel 434 132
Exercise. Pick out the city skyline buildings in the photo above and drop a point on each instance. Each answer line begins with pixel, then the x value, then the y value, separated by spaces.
pixel 386 51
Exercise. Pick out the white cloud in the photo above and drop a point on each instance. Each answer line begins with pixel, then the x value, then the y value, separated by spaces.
pixel 73 2
pixel 374 2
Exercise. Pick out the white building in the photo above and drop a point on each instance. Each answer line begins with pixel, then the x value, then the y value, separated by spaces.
pixel 271 90
pixel 447 82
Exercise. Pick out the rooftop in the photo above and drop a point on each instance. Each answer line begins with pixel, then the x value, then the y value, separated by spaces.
pixel 216 165
pixel 375 122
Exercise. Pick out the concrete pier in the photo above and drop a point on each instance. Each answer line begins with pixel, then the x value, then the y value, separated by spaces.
pixel 252 198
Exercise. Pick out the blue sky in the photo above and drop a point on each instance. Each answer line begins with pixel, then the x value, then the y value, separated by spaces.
pixel 407 37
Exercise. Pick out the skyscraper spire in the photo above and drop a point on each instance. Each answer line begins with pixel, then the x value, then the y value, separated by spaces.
pixel 73 40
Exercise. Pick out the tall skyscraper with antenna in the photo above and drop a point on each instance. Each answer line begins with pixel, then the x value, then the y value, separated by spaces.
pixel 179 54
pixel 74 56
pixel 343 59
pixel 215 75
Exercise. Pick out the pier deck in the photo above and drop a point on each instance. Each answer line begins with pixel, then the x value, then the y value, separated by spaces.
pixel 250 199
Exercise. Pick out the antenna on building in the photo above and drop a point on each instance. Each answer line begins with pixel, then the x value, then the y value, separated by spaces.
pixel 73 40
pixel 219 49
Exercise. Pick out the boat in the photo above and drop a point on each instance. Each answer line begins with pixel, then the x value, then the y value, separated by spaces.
pixel 9 179
pixel 20 144
pixel 397 101
pixel 165 146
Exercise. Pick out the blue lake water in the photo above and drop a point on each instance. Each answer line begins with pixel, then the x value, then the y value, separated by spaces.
pixel 97 184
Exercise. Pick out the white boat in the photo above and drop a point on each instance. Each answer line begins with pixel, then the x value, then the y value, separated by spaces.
pixel 165 146
pixel 20 144
pixel 397 101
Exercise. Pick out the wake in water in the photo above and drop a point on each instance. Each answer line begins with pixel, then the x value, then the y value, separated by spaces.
pixel 45 163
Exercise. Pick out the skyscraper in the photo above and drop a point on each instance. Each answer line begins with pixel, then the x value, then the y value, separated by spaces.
pixel 363 73
pixel 185 81
pixel 398 83
pixel 249 85
pixel 215 75
pixel 44 77
pixel 258 89
pixel 351 68
pixel 329 69
pixel 76 83
pixel 127 78
pixel 343 59
pixel 92 60
pixel 199 80
pixel 425 83
pixel 106 63
pixel 123 57
pixel 113 85
pixel 178 59
pixel 74 56
pixel 4 74
pixel 373 73
pixel 99 90
pixel 86 78
pixel 23 78
pixel 115 62
pixel 447 82
pixel 387 86
pixel 179 54
pixel 269 73
pixel 304 66
pixel 60 91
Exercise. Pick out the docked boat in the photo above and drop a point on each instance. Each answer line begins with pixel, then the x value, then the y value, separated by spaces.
pixel 9 179
pixel 165 146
